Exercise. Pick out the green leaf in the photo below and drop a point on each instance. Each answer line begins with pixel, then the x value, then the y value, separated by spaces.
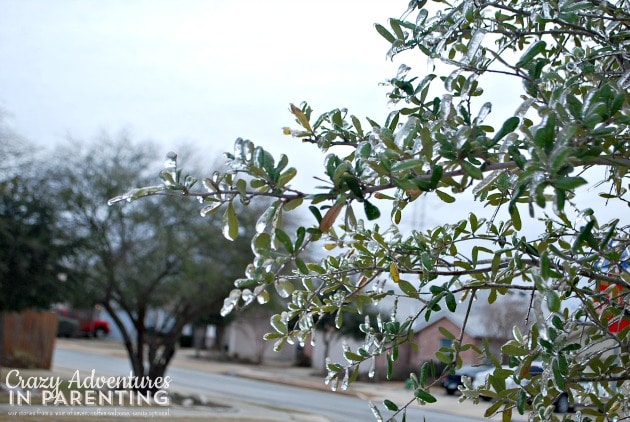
pixel 385 33
pixel 545 266
pixel 301 265
pixel 585 235
pixel 371 211
pixel 425 396
pixel 395 24
pixel 513 349
pixel 535 49
pixel 516 217
pixel 353 357
pixel 569 183
pixel 278 325
pixel 446 333
pixel 445 196
pixel 424 372
pixel 553 301
pixel 558 376
pixel 492 409
pixel 241 187
pixel 408 288
pixel 545 135
pixel 508 127
pixel 390 405
pixel 444 358
pixel 451 303
pixel 410 164
pixel 471 170
pixel 230 223
pixel 292 204
pixel 287 176
pixel 301 117
pixel 285 240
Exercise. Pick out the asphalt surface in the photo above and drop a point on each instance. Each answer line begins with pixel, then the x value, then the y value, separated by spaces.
pixel 300 377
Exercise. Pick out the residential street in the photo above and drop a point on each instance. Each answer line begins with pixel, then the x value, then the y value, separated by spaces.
pixel 259 392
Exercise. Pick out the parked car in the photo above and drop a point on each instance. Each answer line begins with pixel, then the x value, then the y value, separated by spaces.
pixel 562 404
pixel 451 382
pixel 88 324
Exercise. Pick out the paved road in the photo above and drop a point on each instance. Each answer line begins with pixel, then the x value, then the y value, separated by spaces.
pixel 218 387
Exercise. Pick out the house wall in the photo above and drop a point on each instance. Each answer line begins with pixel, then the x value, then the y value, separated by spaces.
pixel 244 341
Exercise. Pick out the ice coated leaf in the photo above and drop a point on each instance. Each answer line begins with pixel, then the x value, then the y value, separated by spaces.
pixel 277 323
pixel 265 219
pixel 210 208
pixel 230 223
pixel 302 119
pixel 425 396
pixel 376 412
pixel 170 163
pixel 385 33
pixel 474 44
pixel 390 405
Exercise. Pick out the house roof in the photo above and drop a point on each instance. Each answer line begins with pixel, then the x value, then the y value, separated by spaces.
pixel 475 326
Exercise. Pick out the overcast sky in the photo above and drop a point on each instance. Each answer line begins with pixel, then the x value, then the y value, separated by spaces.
pixel 200 71
pixel 205 71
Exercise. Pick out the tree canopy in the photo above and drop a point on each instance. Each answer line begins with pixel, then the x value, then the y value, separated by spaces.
pixel 31 245
pixel 152 267
pixel 545 176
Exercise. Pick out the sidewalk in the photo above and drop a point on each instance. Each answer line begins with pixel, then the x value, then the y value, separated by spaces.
pixel 302 377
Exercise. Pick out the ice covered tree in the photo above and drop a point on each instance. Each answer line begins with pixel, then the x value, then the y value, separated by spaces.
pixel 541 163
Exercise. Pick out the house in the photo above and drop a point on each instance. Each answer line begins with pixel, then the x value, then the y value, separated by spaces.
pixel 430 339
pixel 492 323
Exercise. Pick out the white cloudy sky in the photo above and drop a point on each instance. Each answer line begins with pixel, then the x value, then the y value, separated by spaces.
pixel 200 71
pixel 205 71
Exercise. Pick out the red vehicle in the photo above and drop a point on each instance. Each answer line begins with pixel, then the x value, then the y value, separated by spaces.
pixel 88 322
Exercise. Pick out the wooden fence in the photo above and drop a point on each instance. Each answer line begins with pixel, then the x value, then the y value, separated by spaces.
pixel 29 339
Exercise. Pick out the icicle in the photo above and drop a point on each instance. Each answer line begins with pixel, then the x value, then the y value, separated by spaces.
pixel 346 380
pixel 372 370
